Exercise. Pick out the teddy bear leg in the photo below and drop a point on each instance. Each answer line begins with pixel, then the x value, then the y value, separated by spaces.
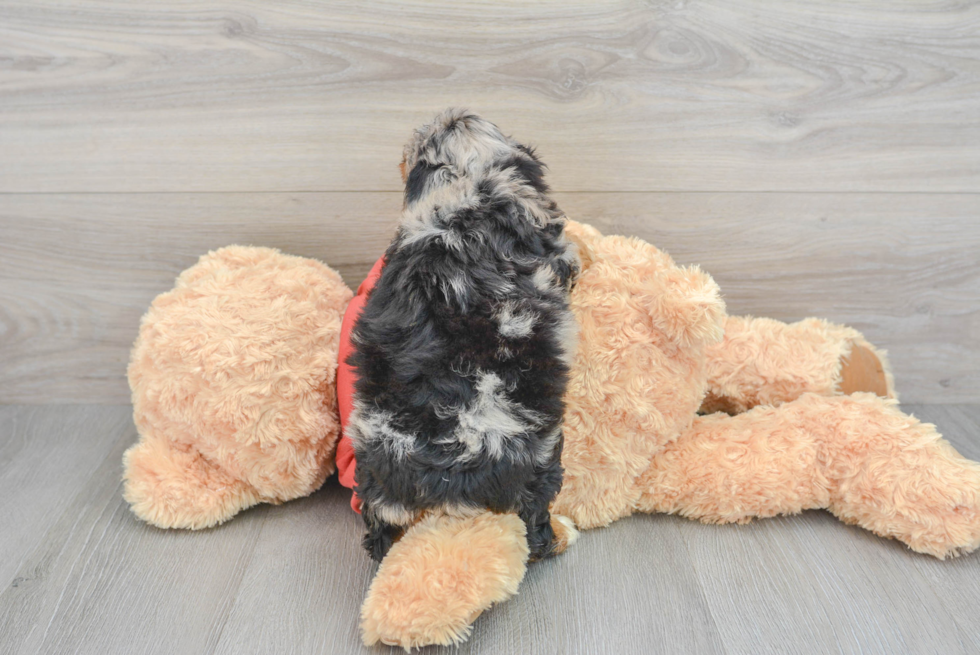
pixel 441 575
pixel 173 486
pixel 765 362
pixel 898 477
pixel 731 469
pixel 858 456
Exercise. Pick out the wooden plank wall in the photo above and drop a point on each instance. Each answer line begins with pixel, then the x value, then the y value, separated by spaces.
pixel 817 158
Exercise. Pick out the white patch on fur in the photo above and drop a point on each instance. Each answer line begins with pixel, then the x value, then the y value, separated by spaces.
pixel 572 536
pixel 544 449
pixel 567 331
pixel 569 250
pixel 476 137
pixel 483 145
pixel 468 154
pixel 571 255
pixel 459 511
pixel 427 218
pixel 508 183
pixel 503 289
pixel 515 323
pixel 544 278
pixel 480 140
pixel 492 420
pixel 372 427
pixel 455 290
pixel 426 231
pixel 393 512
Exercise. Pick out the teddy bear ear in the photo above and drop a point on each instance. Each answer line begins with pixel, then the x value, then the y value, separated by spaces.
pixel 583 236
pixel 685 304
pixel 585 254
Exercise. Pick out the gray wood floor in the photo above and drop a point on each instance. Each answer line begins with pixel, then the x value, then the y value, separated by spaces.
pixel 80 574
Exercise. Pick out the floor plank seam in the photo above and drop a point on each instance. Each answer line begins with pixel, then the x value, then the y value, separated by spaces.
pixel 234 601
pixel 702 592
pixel 83 549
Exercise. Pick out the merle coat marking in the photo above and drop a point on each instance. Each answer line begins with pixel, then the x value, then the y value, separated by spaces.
pixel 463 347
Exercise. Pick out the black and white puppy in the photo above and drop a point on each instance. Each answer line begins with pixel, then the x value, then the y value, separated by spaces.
pixel 464 345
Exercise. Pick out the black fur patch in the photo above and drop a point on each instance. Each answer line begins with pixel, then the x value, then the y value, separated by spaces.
pixel 460 353
pixel 418 178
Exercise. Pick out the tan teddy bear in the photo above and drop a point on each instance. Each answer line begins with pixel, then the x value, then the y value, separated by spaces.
pixel 233 388
pixel 655 348
pixel 233 379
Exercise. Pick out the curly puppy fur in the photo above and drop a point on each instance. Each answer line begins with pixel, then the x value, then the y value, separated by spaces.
pixel 464 345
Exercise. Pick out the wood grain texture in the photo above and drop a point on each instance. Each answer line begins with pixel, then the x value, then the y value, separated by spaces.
pixel 46 454
pixel 304 593
pixel 112 95
pixel 810 584
pixel 78 270
pixel 903 269
pixel 310 575
pixel 98 580
pixel 960 425
pixel 90 578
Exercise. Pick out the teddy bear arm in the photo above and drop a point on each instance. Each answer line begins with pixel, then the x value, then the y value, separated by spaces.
pixel 446 571
pixel 441 575
pixel 762 361
pixel 173 486
pixel 858 456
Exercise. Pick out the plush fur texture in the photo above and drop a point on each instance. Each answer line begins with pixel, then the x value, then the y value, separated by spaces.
pixel 639 374
pixel 651 351
pixel 858 456
pixel 442 575
pixel 241 354
pixel 766 362
pixel 463 346
pixel 233 388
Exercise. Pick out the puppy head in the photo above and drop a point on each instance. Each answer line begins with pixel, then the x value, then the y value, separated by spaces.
pixel 459 144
